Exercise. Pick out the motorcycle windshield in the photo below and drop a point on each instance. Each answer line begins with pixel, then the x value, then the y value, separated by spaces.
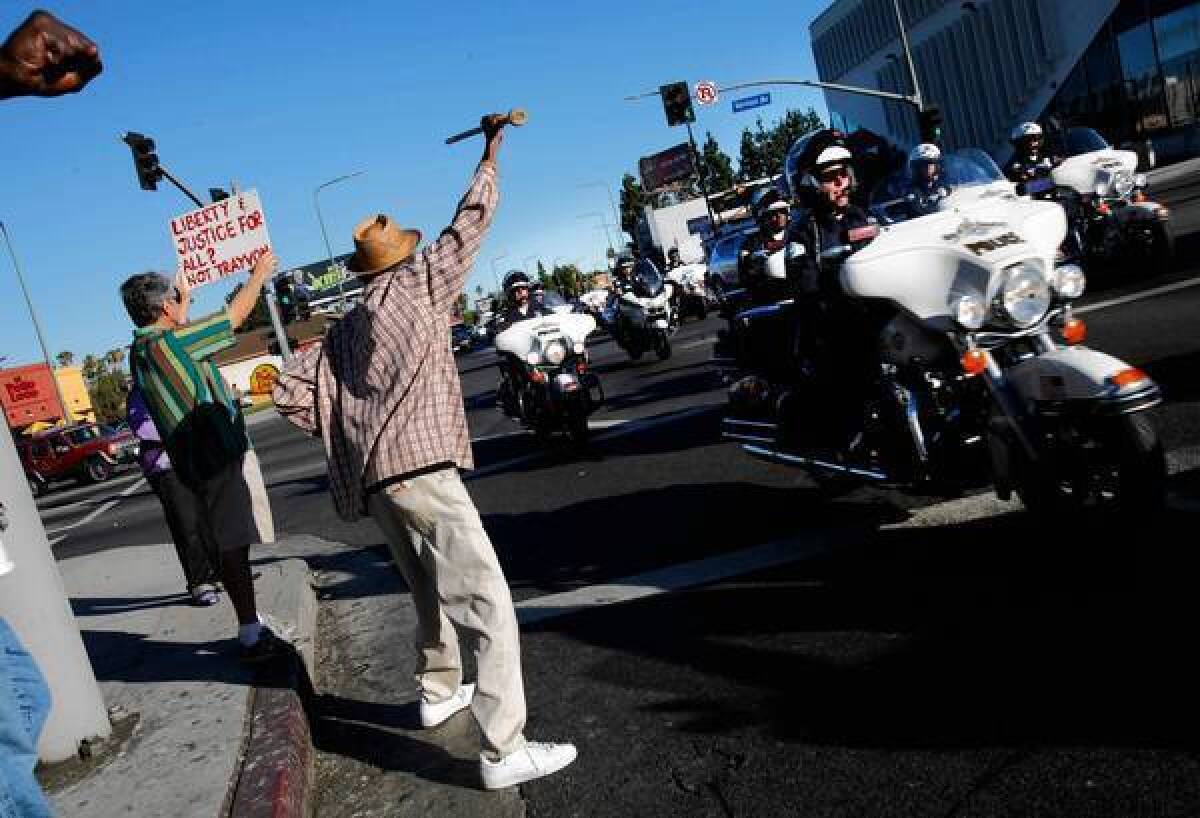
pixel 647 280
pixel 1078 141
pixel 904 195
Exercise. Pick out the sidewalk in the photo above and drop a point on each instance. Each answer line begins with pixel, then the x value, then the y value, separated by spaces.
pixel 174 669
pixel 199 734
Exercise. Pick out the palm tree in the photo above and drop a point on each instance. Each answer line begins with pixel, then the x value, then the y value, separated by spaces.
pixel 115 357
pixel 65 358
pixel 93 367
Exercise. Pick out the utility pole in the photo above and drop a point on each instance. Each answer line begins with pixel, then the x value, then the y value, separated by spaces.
pixel 34 602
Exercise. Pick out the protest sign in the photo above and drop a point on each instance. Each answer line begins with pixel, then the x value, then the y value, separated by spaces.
pixel 220 239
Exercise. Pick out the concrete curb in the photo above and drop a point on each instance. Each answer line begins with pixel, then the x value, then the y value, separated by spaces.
pixel 274 777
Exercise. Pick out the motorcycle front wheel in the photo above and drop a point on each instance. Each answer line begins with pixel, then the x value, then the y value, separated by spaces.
pixel 662 347
pixel 1108 464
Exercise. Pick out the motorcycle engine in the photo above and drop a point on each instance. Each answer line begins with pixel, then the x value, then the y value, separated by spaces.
pixel 903 342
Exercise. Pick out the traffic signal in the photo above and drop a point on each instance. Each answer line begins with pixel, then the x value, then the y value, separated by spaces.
pixel 145 161
pixel 677 102
pixel 930 121
pixel 286 295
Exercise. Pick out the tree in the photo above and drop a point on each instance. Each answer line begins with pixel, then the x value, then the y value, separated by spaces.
pixel 541 271
pixel 752 162
pixel 108 395
pixel 763 150
pixel 565 279
pixel 93 368
pixel 633 199
pixel 716 165
pixel 115 357
pixel 65 358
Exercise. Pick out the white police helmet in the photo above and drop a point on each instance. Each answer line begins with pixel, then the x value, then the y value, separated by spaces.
pixel 1024 130
pixel 925 152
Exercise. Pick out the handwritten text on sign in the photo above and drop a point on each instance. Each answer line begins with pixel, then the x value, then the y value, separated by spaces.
pixel 220 239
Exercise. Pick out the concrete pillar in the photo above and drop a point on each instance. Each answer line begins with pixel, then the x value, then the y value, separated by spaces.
pixel 34 602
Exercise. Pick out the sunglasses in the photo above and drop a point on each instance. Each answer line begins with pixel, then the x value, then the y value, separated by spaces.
pixel 832 175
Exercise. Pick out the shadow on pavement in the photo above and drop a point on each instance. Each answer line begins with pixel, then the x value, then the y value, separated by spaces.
pixel 997 632
pixel 103 606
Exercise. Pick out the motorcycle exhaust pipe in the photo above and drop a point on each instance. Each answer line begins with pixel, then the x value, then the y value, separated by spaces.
pixel 772 456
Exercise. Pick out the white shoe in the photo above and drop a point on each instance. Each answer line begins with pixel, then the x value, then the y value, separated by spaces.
pixel 434 714
pixel 534 760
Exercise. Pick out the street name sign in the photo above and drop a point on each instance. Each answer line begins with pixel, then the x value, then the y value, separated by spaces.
pixel 220 239
pixel 756 101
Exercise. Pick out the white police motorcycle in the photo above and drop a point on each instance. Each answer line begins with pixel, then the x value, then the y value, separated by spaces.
pixel 978 371
pixel 643 314
pixel 547 383
pixel 1110 214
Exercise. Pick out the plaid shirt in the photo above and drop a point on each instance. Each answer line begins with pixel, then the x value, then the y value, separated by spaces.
pixel 382 390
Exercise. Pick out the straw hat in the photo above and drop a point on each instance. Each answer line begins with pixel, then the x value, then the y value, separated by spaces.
pixel 379 244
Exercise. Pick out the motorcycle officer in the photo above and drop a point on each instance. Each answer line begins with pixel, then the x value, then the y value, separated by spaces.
pixel 521 305
pixel 772 213
pixel 825 187
pixel 1028 160
pixel 834 331
pixel 927 187
pixel 520 308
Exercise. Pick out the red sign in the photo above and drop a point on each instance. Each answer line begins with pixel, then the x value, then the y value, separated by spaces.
pixel 27 394
pixel 661 169
pixel 706 92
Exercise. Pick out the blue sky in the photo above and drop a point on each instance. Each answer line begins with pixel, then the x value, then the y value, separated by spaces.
pixel 282 97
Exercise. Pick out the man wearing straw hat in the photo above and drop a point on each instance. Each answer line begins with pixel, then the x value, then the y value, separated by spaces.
pixel 382 391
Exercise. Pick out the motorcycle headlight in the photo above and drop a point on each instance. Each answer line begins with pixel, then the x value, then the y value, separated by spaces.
pixel 969 311
pixel 1123 183
pixel 579 347
pixel 554 352
pixel 1139 180
pixel 1102 188
pixel 533 359
pixel 1025 294
pixel 1068 280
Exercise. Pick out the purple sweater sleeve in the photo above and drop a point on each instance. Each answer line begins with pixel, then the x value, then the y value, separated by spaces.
pixel 152 456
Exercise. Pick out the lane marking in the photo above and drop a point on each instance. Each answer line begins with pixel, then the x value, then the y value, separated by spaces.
pixel 677 577
pixel 698 343
pixel 98 511
pixel 69 493
pixel 1167 288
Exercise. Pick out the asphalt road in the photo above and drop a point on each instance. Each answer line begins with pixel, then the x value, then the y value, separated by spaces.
pixel 871 653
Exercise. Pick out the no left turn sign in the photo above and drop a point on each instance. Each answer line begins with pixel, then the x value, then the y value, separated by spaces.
pixel 706 92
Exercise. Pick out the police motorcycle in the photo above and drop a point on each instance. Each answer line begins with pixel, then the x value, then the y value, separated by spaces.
pixel 688 294
pixel 976 373
pixel 1109 211
pixel 547 384
pixel 642 313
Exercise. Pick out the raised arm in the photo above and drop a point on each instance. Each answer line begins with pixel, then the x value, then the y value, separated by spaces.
pixel 449 259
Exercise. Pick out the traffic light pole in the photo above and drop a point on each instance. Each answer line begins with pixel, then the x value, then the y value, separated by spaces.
pixel 167 175
pixel 285 349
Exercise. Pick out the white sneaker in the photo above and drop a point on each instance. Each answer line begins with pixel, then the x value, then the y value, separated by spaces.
pixel 534 760
pixel 434 714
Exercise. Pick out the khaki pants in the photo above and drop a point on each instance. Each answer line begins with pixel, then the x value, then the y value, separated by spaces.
pixel 459 591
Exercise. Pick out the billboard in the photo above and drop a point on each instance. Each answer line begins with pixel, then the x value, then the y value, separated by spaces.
pixel 661 169
pixel 319 281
